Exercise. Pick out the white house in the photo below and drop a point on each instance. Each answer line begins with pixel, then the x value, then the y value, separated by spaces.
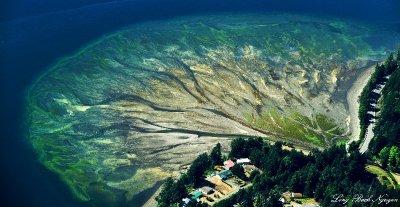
pixel 184 202
pixel 243 161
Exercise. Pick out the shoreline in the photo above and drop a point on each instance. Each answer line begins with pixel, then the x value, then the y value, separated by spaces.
pixel 352 100
pixel 151 202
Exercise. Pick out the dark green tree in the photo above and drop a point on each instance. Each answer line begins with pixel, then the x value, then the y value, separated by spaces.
pixel 237 147
pixel 216 155
pixel 384 156
pixel 254 174
pixel 256 156
pixel 199 166
pixel 273 199
pixel 239 172
pixel 390 64
pixel 167 197
pixel 354 146
pixel 295 183
pixel 196 204
pixel 394 158
pixel 398 58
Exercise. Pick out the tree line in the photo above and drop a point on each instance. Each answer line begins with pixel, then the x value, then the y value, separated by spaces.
pixel 320 175
pixel 368 96
pixel 386 142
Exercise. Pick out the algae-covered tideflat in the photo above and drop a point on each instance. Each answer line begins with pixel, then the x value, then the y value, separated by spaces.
pixel 137 106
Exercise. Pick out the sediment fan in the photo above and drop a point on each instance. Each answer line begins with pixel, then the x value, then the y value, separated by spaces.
pixel 133 108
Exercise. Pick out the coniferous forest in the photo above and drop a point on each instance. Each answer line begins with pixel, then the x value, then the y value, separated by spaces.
pixel 386 141
pixel 384 147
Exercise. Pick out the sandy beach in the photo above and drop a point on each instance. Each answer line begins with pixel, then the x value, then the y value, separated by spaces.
pixel 352 99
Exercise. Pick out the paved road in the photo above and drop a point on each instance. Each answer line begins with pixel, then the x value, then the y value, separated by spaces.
pixel 370 133
pixel 368 137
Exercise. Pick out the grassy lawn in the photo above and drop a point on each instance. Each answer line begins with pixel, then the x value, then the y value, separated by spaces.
pixel 306 200
pixel 383 176
pixel 396 177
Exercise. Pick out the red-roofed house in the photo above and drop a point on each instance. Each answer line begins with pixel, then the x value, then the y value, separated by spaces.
pixel 228 164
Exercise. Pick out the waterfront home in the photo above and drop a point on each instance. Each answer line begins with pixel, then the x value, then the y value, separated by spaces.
pixel 228 164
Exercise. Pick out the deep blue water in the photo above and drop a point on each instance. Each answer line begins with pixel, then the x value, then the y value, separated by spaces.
pixel 35 33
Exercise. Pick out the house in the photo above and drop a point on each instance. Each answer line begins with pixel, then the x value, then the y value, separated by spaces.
pixel 286 197
pixel 223 175
pixel 228 164
pixel 184 202
pixel 297 195
pixel 289 196
pixel 196 195
pixel 243 161
pixel 282 200
pixel 206 190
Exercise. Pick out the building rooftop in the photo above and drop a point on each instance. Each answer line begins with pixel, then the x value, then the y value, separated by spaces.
pixel 185 201
pixel 297 195
pixel 196 194
pixel 243 160
pixel 228 164
pixel 224 174
pixel 288 196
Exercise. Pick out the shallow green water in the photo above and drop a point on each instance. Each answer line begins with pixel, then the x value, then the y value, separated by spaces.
pixel 112 119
